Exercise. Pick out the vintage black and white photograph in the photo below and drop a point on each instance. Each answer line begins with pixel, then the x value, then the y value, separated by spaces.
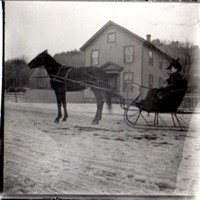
pixel 101 98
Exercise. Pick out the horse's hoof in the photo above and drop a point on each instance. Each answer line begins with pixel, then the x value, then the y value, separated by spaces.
pixel 56 121
pixel 64 119
pixel 95 122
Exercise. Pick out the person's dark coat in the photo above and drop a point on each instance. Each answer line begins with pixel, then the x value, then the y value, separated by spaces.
pixel 174 81
pixel 172 94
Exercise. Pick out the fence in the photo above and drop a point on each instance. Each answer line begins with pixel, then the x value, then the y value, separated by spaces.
pixel 15 97
pixel 190 101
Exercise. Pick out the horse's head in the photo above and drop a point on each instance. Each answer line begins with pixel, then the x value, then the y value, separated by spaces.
pixel 39 60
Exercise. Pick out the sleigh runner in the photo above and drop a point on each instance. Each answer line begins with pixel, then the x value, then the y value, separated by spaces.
pixel 136 114
pixel 161 114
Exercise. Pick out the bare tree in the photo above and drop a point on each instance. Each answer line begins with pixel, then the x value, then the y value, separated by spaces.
pixel 188 55
pixel 16 74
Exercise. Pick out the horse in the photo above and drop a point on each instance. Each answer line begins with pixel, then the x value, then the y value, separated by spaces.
pixel 68 79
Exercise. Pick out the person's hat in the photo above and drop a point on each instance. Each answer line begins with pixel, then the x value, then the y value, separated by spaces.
pixel 175 64
pixel 169 67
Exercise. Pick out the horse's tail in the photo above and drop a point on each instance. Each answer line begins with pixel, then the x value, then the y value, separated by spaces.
pixel 108 98
pixel 108 94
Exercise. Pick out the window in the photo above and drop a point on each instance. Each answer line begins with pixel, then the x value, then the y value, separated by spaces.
pixel 127 82
pixel 111 37
pixel 160 82
pixel 95 57
pixel 161 63
pixel 151 58
pixel 128 54
pixel 150 81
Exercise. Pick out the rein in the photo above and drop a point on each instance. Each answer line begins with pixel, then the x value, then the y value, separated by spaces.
pixel 71 67
pixel 63 79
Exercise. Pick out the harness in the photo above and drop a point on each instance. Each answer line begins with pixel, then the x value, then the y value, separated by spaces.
pixel 67 73
pixel 58 77
pixel 63 79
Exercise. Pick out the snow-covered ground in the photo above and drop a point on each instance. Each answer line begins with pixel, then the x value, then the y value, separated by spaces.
pixel 75 157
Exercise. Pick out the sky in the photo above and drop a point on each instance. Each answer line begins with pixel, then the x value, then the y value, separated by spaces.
pixel 34 26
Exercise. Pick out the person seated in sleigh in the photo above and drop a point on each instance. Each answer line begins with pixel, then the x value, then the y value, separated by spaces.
pixel 166 99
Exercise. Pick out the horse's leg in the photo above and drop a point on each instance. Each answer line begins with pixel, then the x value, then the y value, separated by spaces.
pixel 58 98
pixel 64 107
pixel 100 102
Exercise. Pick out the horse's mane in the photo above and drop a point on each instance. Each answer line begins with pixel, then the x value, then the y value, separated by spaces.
pixel 51 60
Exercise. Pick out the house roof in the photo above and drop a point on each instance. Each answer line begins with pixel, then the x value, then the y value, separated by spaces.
pixel 111 67
pixel 39 73
pixel 110 23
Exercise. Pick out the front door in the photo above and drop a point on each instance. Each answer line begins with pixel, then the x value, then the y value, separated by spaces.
pixel 114 82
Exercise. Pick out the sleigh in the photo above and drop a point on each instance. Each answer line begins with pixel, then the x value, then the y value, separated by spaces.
pixel 160 111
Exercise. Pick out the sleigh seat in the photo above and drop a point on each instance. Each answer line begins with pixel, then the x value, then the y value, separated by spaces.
pixel 163 100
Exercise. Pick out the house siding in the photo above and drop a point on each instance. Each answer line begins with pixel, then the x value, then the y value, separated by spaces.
pixel 152 69
pixel 114 52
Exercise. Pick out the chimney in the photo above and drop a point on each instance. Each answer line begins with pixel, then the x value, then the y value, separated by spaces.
pixel 148 37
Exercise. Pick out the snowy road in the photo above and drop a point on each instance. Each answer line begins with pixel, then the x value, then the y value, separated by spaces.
pixel 75 157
